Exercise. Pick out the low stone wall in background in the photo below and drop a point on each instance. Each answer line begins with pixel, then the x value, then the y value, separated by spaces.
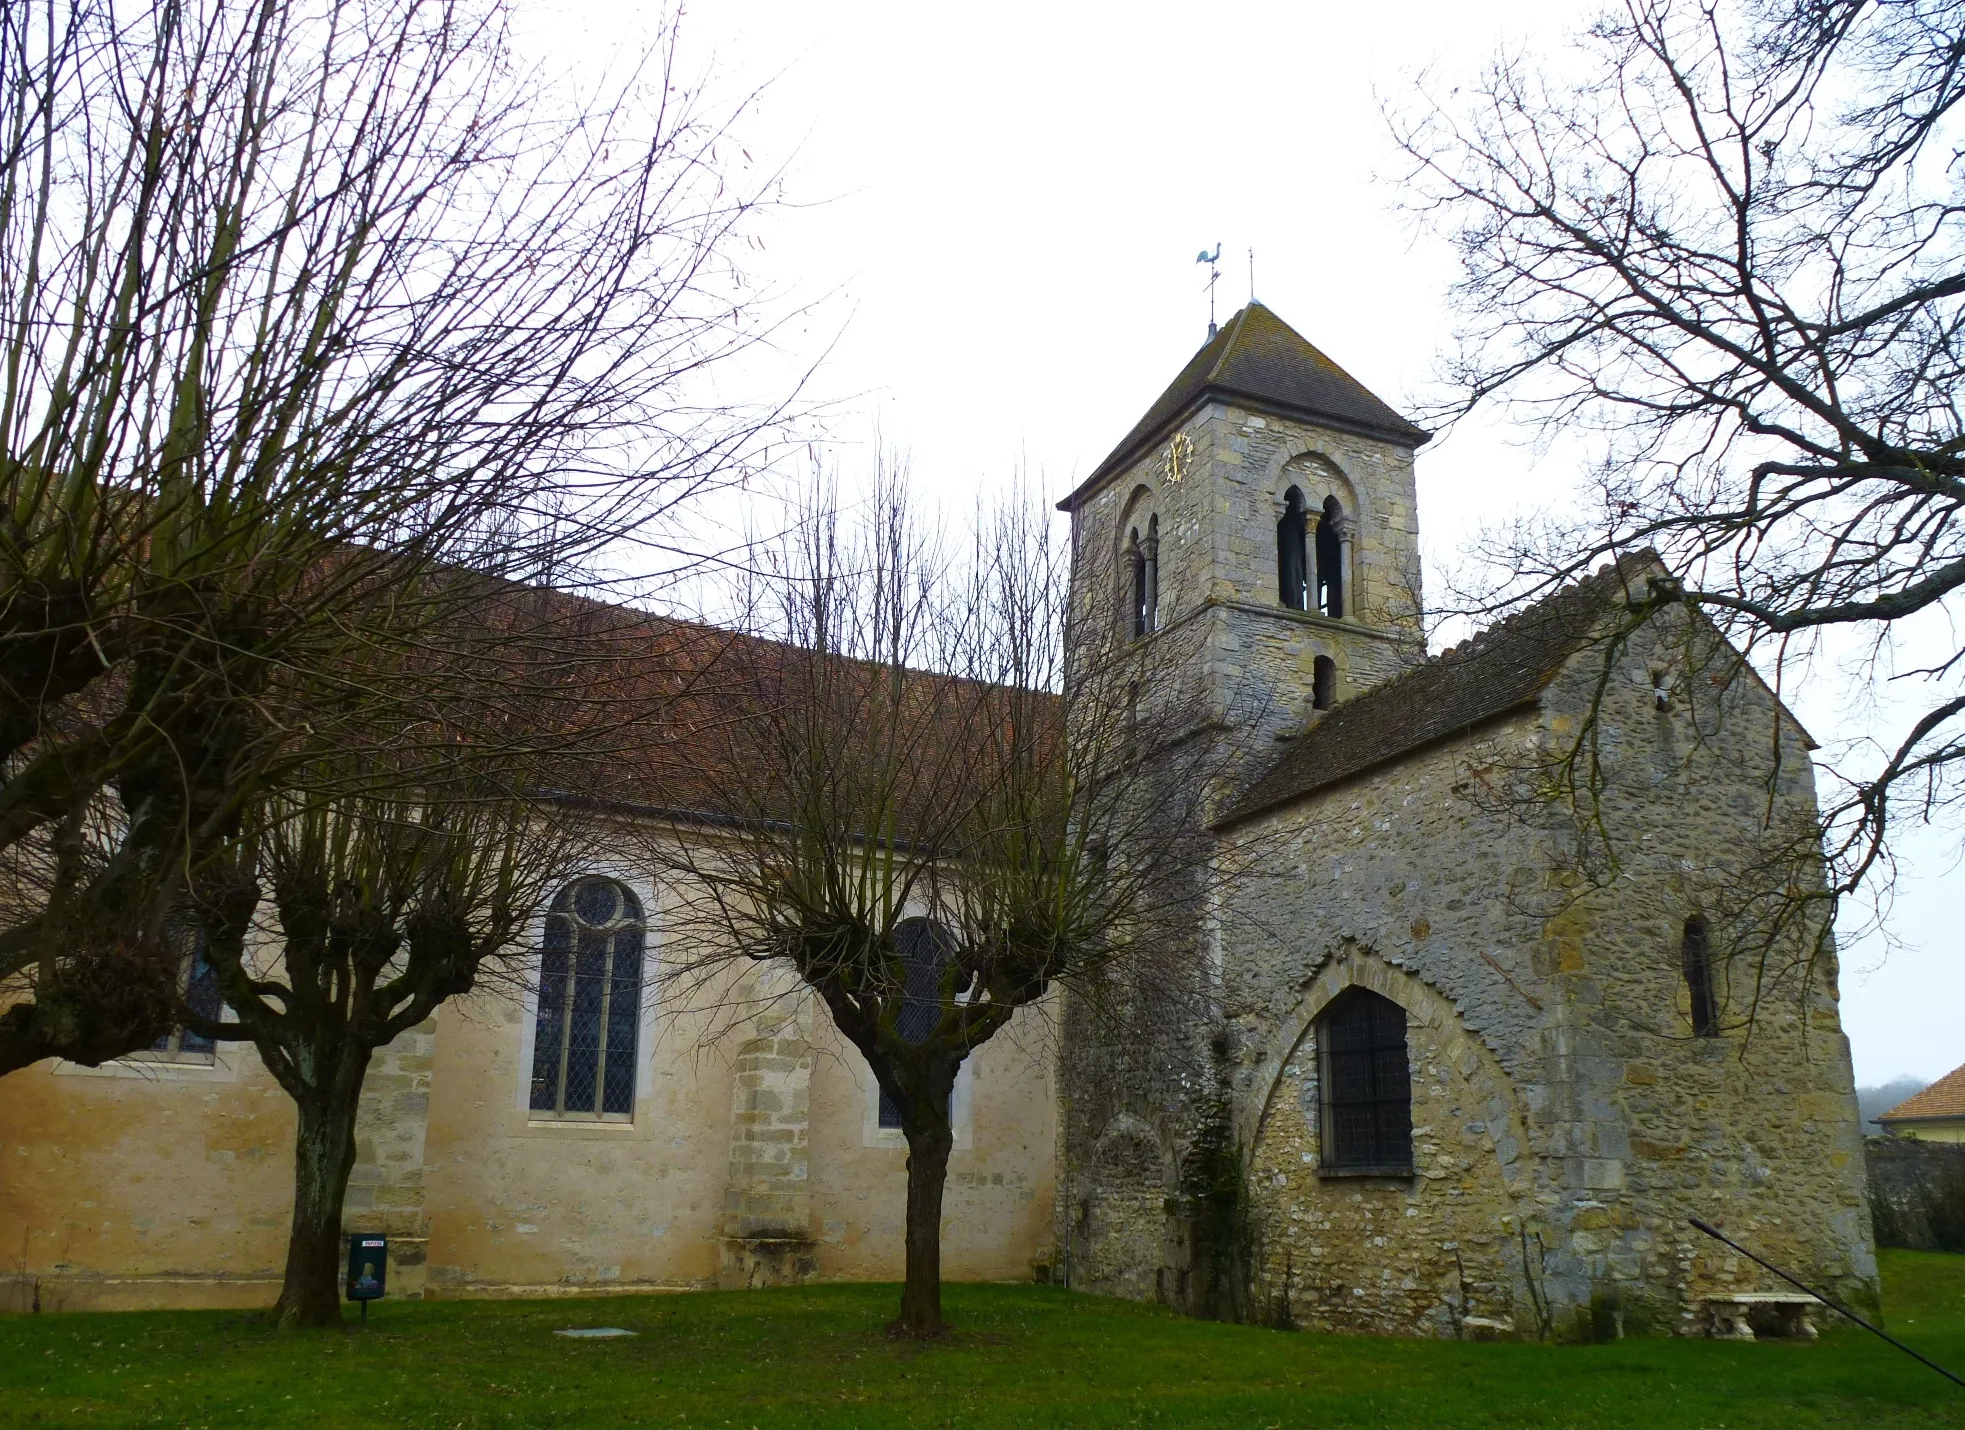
pixel 1917 1193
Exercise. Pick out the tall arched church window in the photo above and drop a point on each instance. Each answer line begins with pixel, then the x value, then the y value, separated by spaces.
pixel 1366 1086
pixel 1696 958
pixel 1293 553
pixel 925 951
pixel 1144 553
pixel 1330 560
pixel 583 1048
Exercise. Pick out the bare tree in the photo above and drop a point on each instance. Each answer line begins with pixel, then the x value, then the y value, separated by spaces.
pixel 300 301
pixel 385 901
pixel 1731 257
pixel 396 858
pixel 896 791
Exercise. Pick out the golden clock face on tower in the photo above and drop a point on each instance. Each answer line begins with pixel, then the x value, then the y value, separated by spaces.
pixel 1178 457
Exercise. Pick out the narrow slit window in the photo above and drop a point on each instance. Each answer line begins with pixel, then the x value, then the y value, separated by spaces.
pixel 589 1019
pixel 1323 683
pixel 1366 1086
pixel 1696 957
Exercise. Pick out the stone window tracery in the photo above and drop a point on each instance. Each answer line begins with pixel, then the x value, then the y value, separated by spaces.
pixel 1366 1086
pixel 589 1018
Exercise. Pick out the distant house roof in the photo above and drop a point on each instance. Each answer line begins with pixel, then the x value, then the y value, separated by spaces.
pixel 1944 1098
pixel 1504 668
pixel 1260 358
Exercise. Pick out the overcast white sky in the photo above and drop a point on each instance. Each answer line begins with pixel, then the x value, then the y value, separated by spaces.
pixel 999 210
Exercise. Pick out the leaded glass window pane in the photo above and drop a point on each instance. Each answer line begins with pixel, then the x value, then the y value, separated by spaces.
pixel 589 1019
pixel 925 950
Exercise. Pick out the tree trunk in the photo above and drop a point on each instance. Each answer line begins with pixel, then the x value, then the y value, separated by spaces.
pixel 927 1172
pixel 324 1155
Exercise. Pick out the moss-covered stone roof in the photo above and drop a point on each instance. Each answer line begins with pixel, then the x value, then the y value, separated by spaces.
pixel 1504 668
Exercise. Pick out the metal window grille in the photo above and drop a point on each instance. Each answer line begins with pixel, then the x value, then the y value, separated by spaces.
pixel 583 1048
pixel 1367 1086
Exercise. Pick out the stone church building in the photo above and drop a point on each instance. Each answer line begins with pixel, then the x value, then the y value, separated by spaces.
pixel 1510 983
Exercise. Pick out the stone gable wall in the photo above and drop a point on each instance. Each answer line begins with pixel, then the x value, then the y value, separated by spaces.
pixel 1540 958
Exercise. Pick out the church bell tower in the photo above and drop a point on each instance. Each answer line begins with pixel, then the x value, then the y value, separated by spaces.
pixel 1264 508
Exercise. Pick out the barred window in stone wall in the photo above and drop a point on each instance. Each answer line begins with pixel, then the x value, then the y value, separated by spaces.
pixel 583 1048
pixel 1696 958
pixel 925 950
pixel 1366 1086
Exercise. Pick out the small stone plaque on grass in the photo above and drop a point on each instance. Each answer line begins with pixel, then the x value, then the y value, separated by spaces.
pixel 593 1333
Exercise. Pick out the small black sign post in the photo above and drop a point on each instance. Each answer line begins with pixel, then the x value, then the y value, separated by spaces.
pixel 368 1269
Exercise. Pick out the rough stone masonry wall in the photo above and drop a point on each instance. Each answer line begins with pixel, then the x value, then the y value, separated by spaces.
pixel 768 1205
pixel 1917 1193
pixel 1711 808
pixel 1531 981
pixel 1217 486
pixel 1441 1251
pixel 1145 1088
pixel 1264 653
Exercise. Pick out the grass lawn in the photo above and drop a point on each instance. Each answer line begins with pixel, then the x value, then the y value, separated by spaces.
pixel 1025 1356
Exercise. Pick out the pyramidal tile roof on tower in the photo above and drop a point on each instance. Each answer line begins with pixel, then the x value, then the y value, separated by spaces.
pixel 1258 357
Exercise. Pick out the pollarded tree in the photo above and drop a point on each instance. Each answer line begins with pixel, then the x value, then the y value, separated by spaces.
pixel 896 792
pixel 1733 256
pixel 341 916
pixel 300 301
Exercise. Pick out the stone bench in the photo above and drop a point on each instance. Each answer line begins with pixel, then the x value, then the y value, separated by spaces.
pixel 1729 1312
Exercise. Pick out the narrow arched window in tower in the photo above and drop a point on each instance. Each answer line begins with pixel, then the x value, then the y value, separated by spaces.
pixel 1143 554
pixel 1330 560
pixel 1292 553
pixel 1696 958
pixel 1366 1086
pixel 1323 683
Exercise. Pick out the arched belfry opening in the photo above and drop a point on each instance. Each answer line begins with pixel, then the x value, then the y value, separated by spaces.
pixel 1293 553
pixel 1330 560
